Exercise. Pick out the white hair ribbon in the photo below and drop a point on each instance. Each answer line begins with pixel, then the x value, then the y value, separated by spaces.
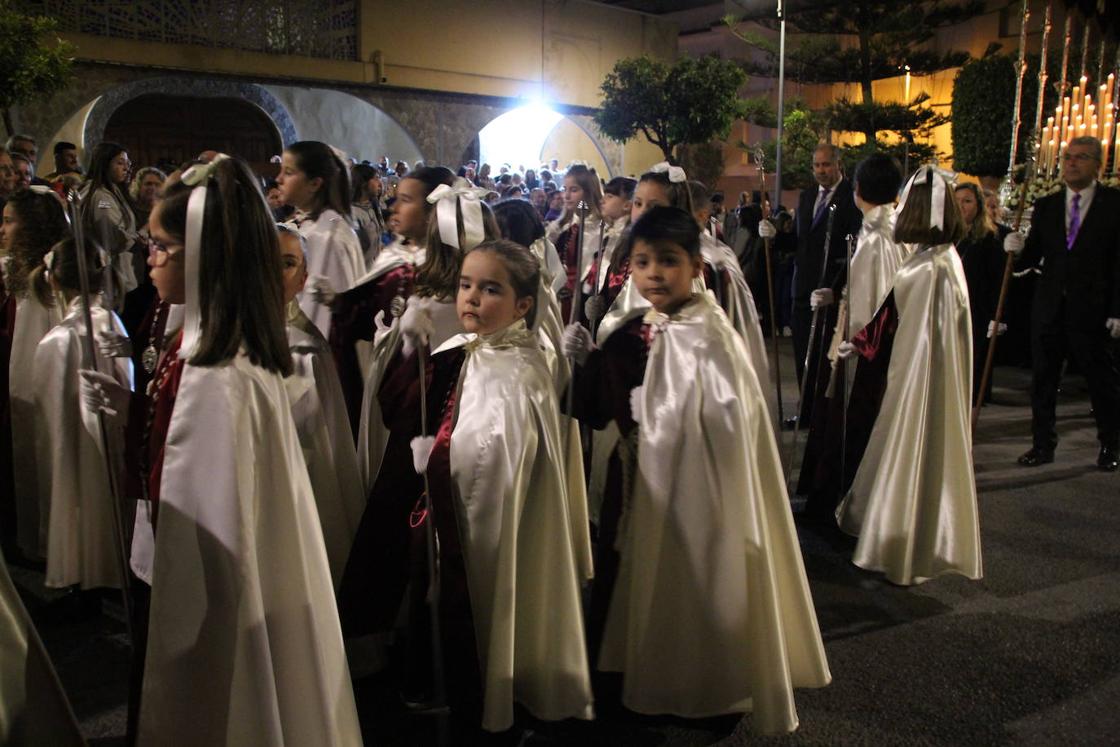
pixel 676 173
pixel 48 259
pixel 198 177
pixel 42 189
pixel 938 179
pixel 468 198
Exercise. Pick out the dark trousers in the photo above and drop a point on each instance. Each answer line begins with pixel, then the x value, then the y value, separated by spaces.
pixel 1096 355
pixel 800 323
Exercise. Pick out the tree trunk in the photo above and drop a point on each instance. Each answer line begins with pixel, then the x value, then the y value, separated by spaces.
pixel 8 122
pixel 865 83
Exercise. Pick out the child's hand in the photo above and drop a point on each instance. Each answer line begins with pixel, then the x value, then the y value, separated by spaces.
pixel 576 343
pixel 416 324
pixel 100 393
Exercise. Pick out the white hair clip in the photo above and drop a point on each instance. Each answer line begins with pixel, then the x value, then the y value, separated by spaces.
pixel 468 198
pixel 201 172
pixel 676 173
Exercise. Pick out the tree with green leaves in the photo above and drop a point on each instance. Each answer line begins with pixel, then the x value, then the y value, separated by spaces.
pixel 691 101
pixel 31 62
pixel 862 41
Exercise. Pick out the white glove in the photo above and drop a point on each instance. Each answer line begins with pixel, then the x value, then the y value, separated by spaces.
pixel 421 452
pixel 1014 242
pixel 1113 326
pixel 819 298
pixel 846 350
pixel 380 328
pixel 991 328
pixel 416 324
pixel 767 229
pixel 112 344
pixel 322 291
pixel 636 403
pixel 576 343
pixel 100 393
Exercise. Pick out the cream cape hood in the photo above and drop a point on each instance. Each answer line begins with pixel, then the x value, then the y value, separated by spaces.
pixel 711 613
pixel 334 253
pixel 913 499
pixel 508 466
pixel 244 645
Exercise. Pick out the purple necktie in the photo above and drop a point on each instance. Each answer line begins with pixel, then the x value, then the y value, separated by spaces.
pixel 1074 222
pixel 822 207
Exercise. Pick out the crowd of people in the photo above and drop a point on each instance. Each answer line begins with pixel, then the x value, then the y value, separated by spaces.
pixel 505 439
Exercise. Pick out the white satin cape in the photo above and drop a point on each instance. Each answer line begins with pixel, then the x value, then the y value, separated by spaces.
pixel 33 321
pixel 244 643
pixel 913 499
pixel 508 466
pixel 874 264
pixel 33 707
pixel 711 613
pixel 323 427
pixel 75 502
pixel 333 252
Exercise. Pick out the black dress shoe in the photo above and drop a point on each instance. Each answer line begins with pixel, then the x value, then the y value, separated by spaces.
pixel 1035 457
pixel 1106 460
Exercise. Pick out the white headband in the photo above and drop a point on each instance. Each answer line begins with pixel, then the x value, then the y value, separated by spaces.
pixel 468 198
pixel 676 173
pixel 938 180
pixel 199 177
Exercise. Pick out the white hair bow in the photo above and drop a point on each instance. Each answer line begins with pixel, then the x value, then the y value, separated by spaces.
pixel 42 189
pixel 198 177
pixel 676 173
pixel 469 199
pixel 938 179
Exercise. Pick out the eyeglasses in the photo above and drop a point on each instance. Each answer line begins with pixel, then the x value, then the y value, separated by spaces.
pixel 1079 157
pixel 159 254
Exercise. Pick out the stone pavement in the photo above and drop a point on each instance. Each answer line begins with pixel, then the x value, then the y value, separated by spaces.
pixel 1029 655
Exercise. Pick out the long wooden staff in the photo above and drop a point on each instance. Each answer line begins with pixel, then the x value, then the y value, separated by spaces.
pixel 768 250
pixel 809 349
pixel 577 294
pixel 438 707
pixel 1009 263
pixel 75 216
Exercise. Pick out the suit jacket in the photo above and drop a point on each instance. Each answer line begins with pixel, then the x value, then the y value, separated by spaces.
pixel 1087 276
pixel 810 240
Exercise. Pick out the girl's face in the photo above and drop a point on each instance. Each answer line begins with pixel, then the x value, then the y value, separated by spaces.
pixel 616 206
pixel 295 188
pixel 647 195
pixel 410 211
pixel 293 265
pixel 663 273
pixel 165 258
pixel 119 168
pixel 375 187
pixel 573 193
pixel 487 301
pixel 966 201
pixel 150 187
pixel 9 229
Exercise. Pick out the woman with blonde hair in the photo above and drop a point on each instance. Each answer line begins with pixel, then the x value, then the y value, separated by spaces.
pixel 982 257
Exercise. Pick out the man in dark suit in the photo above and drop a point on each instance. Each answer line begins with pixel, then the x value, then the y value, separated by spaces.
pixel 1075 237
pixel 811 287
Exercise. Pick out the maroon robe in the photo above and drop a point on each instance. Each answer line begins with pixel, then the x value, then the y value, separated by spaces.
pixel 352 319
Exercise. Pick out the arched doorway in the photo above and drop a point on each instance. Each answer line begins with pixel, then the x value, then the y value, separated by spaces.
pixel 159 127
pixel 535 133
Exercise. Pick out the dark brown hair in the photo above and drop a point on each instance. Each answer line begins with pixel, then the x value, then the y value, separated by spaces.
pixel 318 161
pixel 240 282
pixel 64 267
pixel 912 224
pixel 438 277
pixel 42 224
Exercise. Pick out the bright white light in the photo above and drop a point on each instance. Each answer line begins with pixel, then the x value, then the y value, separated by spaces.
pixel 517 136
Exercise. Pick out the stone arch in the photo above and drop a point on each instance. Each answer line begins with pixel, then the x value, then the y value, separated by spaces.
pixel 182 85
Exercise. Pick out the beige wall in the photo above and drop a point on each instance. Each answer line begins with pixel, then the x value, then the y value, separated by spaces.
pixel 560 49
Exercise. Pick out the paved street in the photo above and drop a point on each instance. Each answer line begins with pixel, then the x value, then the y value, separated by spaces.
pixel 1029 655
